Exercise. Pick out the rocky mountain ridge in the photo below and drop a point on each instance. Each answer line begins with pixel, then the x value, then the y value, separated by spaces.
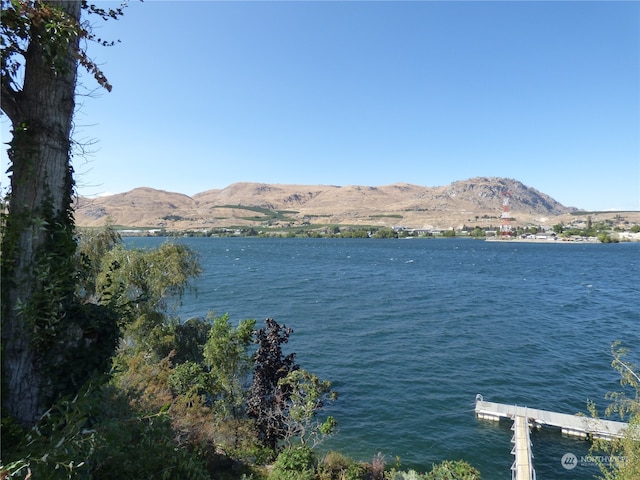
pixel 476 201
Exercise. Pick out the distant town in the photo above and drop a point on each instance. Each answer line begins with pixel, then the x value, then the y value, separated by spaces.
pixel 579 231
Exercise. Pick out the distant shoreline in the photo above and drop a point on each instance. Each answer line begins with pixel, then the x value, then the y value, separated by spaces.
pixel 542 240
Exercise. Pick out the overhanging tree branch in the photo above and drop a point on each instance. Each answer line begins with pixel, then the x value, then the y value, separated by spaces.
pixel 9 102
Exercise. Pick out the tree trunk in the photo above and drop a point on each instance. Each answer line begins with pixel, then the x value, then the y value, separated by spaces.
pixel 36 273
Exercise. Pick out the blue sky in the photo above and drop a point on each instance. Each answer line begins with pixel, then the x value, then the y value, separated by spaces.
pixel 208 93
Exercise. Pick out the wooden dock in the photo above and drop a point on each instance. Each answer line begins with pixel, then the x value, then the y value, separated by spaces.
pixel 572 425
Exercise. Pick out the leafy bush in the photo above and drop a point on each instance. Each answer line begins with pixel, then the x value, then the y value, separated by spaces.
pixel 335 462
pixel 298 463
pixel 453 470
pixel 447 470
pixel 145 448
pixel 186 378
pixel 336 466
pixel 96 435
pixel 59 446
pixel 606 238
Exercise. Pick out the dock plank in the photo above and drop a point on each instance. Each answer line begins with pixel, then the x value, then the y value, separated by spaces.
pixel 522 468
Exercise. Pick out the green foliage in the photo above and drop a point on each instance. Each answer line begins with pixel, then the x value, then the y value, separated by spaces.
pixel 201 415
pixel 95 435
pixel 385 233
pixel 297 463
pixel 176 218
pixel 478 232
pixel 335 462
pixel 144 447
pixel 625 463
pixel 606 238
pixel 139 412
pixel 59 446
pixel 625 452
pixel 447 470
pixel 137 284
pixel 351 233
pixel 85 344
pixel 453 470
pixel 146 386
pixel 336 466
pixel 38 245
pixel 228 361
pixel 190 338
pixel 47 25
pixel 71 340
pixel 307 395
pixel 93 246
pixel 138 281
pixel 623 404
pixel 54 30
pixel 267 215
pixel 188 378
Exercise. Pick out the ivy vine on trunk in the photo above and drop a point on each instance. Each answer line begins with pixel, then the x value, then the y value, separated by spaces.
pixel 44 329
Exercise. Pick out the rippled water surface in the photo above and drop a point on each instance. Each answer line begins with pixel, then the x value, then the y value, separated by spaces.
pixel 410 330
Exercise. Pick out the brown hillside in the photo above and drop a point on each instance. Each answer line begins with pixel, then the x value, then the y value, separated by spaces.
pixel 477 201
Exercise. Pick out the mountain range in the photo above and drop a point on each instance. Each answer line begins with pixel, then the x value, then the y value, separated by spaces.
pixel 476 201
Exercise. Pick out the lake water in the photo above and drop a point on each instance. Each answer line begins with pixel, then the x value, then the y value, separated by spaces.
pixel 409 331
